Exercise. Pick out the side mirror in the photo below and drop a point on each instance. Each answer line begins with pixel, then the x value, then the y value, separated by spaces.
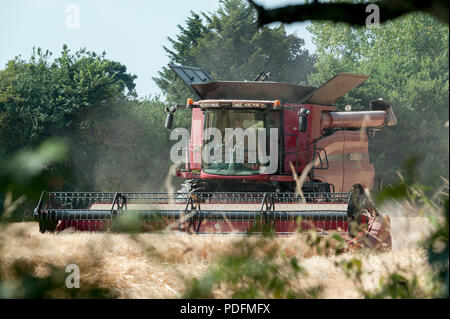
pixel 303 120
pixel 169 121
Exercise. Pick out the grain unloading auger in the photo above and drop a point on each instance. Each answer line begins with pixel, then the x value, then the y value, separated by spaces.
pixel 230 191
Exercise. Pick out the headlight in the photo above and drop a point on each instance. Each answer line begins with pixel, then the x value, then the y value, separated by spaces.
pixel 209 104
pixel 249 104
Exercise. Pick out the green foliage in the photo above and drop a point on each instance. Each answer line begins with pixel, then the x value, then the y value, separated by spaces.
pixel 40 98
pixel 126 148
pixel 254 268
pixel 436 209
pixel 22 178
pixel 407 60
pixel 174 89
pixel 407 187
pixel 331 244
pixel 251 270
pixel 230 46
pixel 115 141
pixel 23 283
pixel 401 283
pixel 395 286
pixel 26 173
pixel 438 251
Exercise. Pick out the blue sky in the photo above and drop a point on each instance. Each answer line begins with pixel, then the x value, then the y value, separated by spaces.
pixel 131 32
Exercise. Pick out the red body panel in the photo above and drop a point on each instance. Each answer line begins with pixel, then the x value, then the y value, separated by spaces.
pixel 346 150
pixel 259 177
pixel 195 144
pixel 217 227
pixel 294 142
pixel 279 226
pixel 357 167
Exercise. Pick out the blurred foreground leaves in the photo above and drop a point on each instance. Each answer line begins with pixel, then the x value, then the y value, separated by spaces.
pixel 253 270
pixel 22 282
pixel 436 208
pixel 24 175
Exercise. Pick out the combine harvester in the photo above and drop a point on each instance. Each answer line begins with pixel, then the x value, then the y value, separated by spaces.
pixel 319 181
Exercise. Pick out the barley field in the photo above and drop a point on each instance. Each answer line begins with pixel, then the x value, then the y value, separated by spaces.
pixel 160 265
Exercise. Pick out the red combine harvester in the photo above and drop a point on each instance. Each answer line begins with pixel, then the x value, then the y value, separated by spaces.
pixel 312 174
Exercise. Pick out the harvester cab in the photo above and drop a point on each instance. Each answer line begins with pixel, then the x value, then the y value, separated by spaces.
pixel 260 153
pixel 297 125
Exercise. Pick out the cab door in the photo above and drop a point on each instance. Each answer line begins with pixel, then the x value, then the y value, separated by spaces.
pixel 294 149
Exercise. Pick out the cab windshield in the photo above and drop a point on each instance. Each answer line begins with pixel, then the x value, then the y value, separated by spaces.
pixel 241 159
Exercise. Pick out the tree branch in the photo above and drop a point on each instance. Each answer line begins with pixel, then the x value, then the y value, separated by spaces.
pixel 351 13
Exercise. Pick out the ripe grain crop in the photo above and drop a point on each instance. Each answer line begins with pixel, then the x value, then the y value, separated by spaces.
pixel 159 265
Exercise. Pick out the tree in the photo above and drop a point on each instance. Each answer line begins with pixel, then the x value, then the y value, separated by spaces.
pixel 40 98
pixel 230 46
pixel 174 89
pixel 114 140
pixel 407 61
